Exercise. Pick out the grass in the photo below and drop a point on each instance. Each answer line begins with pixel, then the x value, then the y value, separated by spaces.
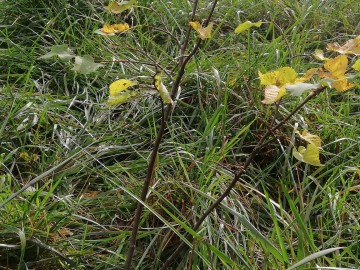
pixel 79 216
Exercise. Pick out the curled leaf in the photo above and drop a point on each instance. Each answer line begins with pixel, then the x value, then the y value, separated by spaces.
pixel 307 75
pixel 85 64
pixel 164 94
pixel 204 32
pixel 352 46
pixel 116 8
pixel 310 138
pixel 120 85
pixel 122 98
pixel 298 89
pixel 309 155
pixel 246 25
pixel 112 29
pixel 273 93
pixel 62 51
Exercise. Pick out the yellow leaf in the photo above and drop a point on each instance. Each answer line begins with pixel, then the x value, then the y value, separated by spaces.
pixel 164 94
pixel 121 27
pixel 342 85
pixel 107 29
pixel 120 85
pixel 356 65
pixel 278 77
pixel 310 138
pixel 336 66
pixel 307 75
pixel 112 29
pixel 116 8
pixel 273 93
pixel 121 98
pixel 204 32
pixel 246 25
pixel 319 55
pixel 352 46
pixel 309 155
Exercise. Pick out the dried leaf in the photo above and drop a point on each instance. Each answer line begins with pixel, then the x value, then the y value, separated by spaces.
pixel 352 46
pixel 273 93
pixel 204 32
pixel 298 89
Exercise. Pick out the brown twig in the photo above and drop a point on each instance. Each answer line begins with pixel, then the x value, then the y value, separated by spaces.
pixel 151 166
pixel 237 176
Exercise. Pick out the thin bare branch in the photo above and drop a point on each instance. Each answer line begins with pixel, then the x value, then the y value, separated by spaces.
pixel 182 247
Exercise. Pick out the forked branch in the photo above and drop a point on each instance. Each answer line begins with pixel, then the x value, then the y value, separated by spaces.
pixel 183 60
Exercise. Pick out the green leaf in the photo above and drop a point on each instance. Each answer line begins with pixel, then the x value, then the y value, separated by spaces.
pixel 62 51
pixel 246 25
pixel 85 64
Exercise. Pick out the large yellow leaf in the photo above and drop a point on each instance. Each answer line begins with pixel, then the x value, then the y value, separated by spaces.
pixel 246 25
pixel 352 46
pixel 164 94
pixel 204 32
pixel 309 155
pixel 282 79
pixel 278 77
pixel 120 85
pixel 337 67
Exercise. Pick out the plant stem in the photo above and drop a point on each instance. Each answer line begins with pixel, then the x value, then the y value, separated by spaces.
pixel 237 176
pixel 151 167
